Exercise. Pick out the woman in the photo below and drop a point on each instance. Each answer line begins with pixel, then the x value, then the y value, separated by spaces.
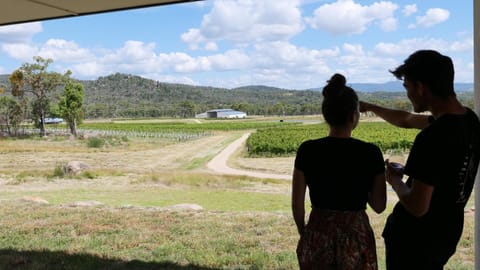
pixel 342 174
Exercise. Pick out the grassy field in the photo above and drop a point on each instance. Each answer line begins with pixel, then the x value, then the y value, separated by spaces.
pixel 151 204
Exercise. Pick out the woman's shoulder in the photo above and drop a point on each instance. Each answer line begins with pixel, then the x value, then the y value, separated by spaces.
pixel 314 141
pixel 365 144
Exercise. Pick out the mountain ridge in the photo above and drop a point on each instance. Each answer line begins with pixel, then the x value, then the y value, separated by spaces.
pixel 391 86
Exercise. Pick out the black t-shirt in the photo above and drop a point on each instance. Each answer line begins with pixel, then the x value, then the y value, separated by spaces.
pixel 444 155
pixel 339 171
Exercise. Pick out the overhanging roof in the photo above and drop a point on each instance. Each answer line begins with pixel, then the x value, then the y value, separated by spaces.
pixel 19 11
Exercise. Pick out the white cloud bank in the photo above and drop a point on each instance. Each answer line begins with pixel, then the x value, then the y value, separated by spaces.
pixel 19 33
pixel 432 17
pixel 256 46
pixel 246 22
pixel 348 17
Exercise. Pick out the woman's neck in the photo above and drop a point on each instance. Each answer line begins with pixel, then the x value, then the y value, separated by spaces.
pixel 343 132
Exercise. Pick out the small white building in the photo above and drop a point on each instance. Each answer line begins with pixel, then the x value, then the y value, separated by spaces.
pixel 53 120
pixel 224 113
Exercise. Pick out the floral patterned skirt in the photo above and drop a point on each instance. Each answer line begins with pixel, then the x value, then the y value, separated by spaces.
pixel 337 240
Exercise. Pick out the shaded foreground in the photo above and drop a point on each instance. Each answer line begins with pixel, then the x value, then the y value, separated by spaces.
pixel 13 259
pixel 36 236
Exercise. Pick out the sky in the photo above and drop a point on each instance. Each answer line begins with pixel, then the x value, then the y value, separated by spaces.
pixel 290 44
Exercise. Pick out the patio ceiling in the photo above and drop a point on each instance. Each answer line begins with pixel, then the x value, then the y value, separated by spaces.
pixel 19 11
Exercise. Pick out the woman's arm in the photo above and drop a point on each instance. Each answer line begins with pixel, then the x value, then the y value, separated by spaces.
pixel 299 187
pixel 377 198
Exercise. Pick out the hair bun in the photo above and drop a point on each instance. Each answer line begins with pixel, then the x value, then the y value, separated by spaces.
pixel 337 80
pixel 334 85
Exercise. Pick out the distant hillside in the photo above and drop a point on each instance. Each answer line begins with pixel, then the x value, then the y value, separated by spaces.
pixel 124 95
pixel 395 86
pixel 129 95
pixel 4 78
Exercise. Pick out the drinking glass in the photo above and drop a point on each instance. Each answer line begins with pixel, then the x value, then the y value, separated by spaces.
pixel 397 156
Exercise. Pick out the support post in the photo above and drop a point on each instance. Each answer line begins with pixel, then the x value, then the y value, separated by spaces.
pixel 476 90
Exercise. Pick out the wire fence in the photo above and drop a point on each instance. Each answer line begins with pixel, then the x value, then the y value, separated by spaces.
pixel 169 135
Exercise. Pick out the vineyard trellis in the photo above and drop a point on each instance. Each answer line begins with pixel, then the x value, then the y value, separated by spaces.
pixel 281 141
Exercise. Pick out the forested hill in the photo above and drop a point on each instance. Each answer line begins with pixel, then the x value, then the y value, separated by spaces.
pixel 124 95
pixel 128 96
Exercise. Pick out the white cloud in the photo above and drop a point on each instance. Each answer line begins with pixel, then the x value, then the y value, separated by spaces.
pixel 19 33
pixel 62 50
pixel 353 49
pixel 409 10
pixel 359 65
pixel 347 17
pixel 193 37
pixel 131 52
pixel 463 70
pixel 432 17
pixel 465 45
pixel 56 49
pixel 88 70
pixel 189 64
pixel 407 46
pixel 232 59
pixel 389 24
pixel 20 51
pixel 211 46
pixel 297 59
pixel 139 58
pixel 247 21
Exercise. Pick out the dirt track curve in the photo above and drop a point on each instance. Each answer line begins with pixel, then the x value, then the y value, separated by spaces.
pixel 219 162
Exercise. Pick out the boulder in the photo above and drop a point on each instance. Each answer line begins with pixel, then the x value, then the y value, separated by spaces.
pixel 35 199
pixel 185 207
pixel 75 167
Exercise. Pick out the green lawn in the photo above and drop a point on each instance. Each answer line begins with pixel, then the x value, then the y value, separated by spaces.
pixel 236 230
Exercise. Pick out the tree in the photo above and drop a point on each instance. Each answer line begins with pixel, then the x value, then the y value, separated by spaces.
pixel 279 109
pixel 70 105
pixel 11 114
pixel 35 79
pixel 186 109
pixel 243 107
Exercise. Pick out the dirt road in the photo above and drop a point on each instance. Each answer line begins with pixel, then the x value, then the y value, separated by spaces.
pixel 219 162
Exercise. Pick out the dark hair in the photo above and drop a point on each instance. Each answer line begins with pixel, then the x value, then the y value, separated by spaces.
pixel 431 68
pixel 339 101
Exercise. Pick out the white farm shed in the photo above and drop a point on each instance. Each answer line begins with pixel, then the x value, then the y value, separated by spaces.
pixel 226 113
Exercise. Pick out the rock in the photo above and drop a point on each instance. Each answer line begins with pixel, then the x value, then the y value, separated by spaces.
pixel 75 167
pixel 35 199
pixel 185 207
pixel 85 203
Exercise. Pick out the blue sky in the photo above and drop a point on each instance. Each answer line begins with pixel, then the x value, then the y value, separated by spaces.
pixel 293 44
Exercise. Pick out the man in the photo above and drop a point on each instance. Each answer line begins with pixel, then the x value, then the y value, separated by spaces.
pixel 426 224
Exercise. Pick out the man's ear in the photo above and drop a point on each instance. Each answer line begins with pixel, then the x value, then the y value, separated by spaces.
pixel 421 88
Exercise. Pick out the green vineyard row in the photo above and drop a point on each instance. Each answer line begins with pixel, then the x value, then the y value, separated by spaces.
pixel 284 141
pixel 172 127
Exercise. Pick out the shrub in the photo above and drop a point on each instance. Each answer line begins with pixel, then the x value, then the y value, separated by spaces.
pixel 59 171
pixel 95 142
